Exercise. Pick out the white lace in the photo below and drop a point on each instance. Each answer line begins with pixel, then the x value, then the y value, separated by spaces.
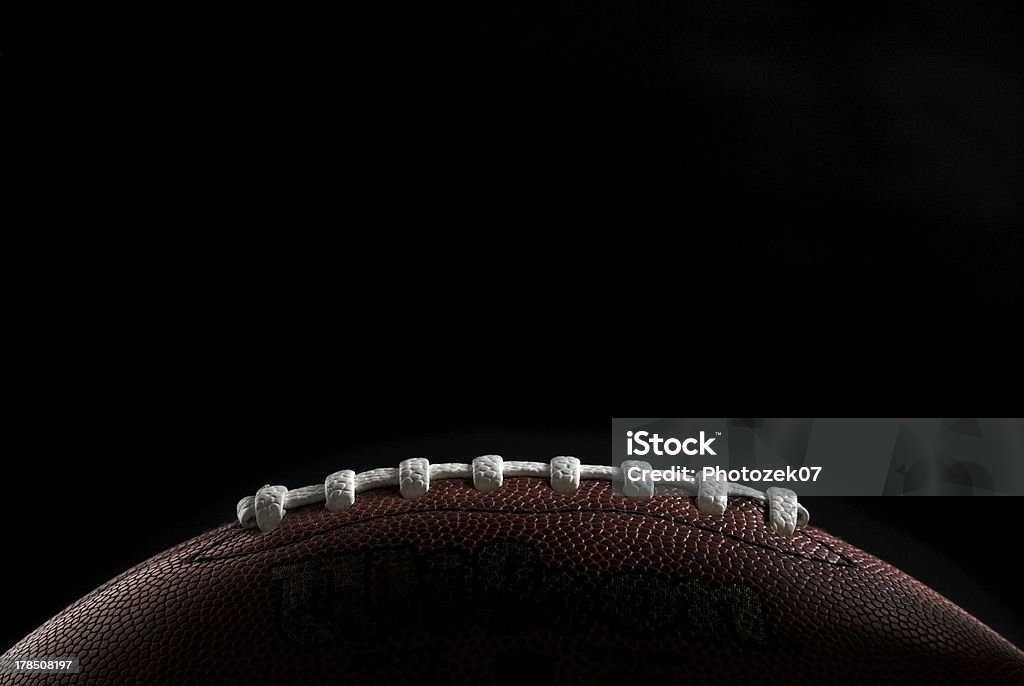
pixel 267 508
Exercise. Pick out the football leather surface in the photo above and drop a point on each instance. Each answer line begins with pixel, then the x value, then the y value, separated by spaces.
pixel 518 585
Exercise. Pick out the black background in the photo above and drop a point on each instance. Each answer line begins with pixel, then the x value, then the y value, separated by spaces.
pixel 295 242
pixel 789 161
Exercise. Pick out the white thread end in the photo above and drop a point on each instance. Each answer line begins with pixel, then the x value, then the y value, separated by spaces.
pixel 246 510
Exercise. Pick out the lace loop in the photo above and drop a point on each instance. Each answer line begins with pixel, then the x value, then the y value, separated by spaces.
pixel 712 496
pixel 637 488
pixel 340 490
pixel 487 474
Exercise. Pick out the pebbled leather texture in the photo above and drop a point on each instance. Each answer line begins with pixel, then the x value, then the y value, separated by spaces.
pixel 521 584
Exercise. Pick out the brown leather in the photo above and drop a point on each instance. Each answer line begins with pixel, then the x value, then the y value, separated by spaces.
pixel 468 587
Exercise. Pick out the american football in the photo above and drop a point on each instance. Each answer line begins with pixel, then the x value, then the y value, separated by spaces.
pixel 495 571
